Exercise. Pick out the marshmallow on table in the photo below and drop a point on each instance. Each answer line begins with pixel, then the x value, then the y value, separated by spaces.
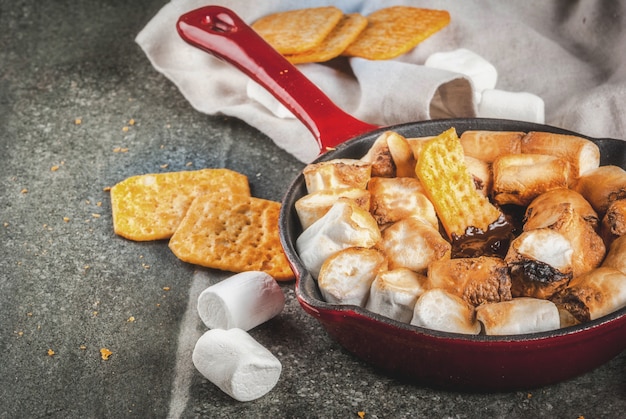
pixel 236 363
pixel 243 301
pixel 480 71
pixel 520 106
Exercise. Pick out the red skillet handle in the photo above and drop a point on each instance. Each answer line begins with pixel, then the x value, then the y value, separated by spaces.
pixel 220 32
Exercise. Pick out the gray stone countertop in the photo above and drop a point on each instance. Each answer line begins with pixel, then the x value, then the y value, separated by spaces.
pixel 71 286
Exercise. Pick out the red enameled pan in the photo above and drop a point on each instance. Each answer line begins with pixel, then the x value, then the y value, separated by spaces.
pixel 438 359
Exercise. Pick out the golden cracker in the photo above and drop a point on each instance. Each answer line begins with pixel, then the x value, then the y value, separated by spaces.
pixel 233 233
pixel 448 183
pixel 346 31
pixel 150 207
pixel 296 31
pixel 396 30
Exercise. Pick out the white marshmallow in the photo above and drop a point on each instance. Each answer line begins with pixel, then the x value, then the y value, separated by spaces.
pixel 439 310
pixel 520 106
pixel 258 93
pixel 393 293
pixel 236 363
pixel 346 277
pixel 243 301
pixel 480 71
pixel 344 225
pixel 518 316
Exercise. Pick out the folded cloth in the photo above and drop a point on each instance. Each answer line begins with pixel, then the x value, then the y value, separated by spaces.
pixel 569 54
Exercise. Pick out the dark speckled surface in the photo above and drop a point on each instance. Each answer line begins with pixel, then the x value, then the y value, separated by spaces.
pixel 68 284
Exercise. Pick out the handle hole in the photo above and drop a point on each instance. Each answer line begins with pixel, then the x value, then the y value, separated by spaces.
pixel 221 22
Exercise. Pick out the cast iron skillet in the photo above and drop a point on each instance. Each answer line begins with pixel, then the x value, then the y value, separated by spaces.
pixel 438 359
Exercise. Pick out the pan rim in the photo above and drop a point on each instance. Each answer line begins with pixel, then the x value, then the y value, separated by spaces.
pixel 360 313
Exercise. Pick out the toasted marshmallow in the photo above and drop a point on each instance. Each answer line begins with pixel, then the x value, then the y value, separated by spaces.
pixel 594 294
pixel 417 143
pixel 520 178
pixel 582 154
pixel 587 245
pixel 393 293
pixel 402 154
pixel 439 310
pixel 311 207
pixel 481 173
pixel 614 222
pixel 346 276
pixel 344 225
pixel 543 205
pixel 489 145
pixel 336 174
pixel 379 156
pixel 540 263
pixel 602 186
pixel 477 280
pixel 413 243
pixel 518 316
pixel 393 199
pixel 616 258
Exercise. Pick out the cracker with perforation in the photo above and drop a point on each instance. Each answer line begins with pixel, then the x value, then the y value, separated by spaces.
pixel 296 31
pixel 346 31
pixel 396 30
pixel 448 183
pixel 150 207
pixel 233 233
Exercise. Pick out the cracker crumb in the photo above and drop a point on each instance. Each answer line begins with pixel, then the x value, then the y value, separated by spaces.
pixel 164 166
pixel 95 215
pixel 188 164
pixel 66 219
pixel 78 121
pixel 361 414
pixel 125 129
pixel 131 319
pixel 51 352
pixel 82 347
pixel 54 168
pixel 24 191
pixel 131 121
pixel 166 288
pixel 105 353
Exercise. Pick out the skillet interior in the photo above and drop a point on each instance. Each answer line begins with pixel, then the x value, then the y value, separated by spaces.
pixel 612 151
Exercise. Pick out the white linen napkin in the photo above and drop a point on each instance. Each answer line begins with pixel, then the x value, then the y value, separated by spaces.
pixel 569 55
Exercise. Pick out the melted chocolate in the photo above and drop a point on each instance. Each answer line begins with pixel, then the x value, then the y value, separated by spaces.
pixel 493 242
